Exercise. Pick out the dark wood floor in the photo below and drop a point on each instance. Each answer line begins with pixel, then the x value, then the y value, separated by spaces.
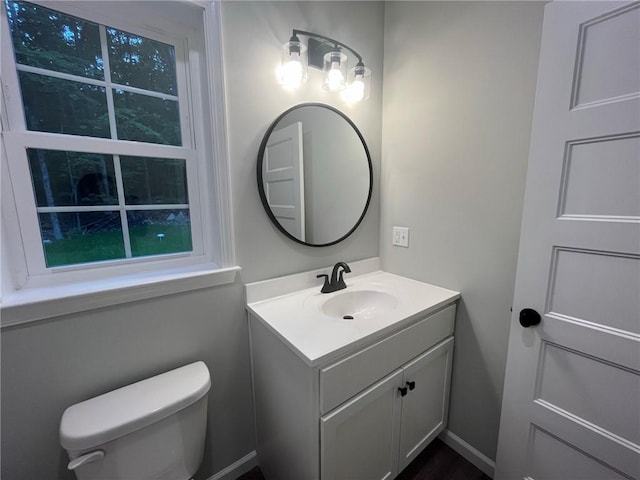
pixel 436 462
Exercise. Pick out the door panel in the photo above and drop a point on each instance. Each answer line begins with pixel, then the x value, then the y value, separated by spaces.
pixel 563 372
pixel 570 464
pixel 572 389
pixel 598 300
pixel 601 178
pixel 425 408
pixel 608 56
pixel 283 176
pixel 359 440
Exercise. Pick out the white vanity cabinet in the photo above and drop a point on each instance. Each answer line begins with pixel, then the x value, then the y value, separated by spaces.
pixel 363 414
pixel 376 434
pixel 359 440
pixel 425 408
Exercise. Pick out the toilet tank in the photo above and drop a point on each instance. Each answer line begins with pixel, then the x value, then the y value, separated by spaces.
pixel 152 429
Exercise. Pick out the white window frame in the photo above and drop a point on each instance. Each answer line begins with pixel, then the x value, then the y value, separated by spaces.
pixel 30 291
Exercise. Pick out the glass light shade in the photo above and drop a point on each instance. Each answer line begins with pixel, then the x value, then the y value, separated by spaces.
pixel 293 69
pixel 358 85
pixel 335 71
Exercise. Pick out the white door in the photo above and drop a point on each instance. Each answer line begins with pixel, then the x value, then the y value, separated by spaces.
pixel 283 177
pixel 571 407
pixel 359 439
pixel 426 403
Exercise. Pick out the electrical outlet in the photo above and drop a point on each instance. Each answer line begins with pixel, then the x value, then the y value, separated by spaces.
pixel 400 237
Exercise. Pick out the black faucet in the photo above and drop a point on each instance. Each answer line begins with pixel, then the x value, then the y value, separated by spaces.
pixel 337 282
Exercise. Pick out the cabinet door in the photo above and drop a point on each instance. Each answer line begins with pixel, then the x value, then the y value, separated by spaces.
pixel 359 439
pixel 425 407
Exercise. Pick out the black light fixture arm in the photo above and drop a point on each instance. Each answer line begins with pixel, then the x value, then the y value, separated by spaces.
pixel 331 40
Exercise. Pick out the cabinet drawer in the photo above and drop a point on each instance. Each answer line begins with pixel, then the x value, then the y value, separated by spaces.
pixel 343 379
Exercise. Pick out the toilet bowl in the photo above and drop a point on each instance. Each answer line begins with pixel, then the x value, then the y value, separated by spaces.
pixel 152 429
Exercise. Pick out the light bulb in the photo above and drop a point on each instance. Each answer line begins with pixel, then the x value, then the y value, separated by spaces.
pixel 354 92
pixel 358 84
pixel 292 73
pixel 335 79
pixel 335 71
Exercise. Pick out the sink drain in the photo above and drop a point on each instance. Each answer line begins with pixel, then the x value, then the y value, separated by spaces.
pixel 348 317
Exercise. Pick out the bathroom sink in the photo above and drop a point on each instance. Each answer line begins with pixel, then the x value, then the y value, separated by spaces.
pixel 359 304
pixel 313 323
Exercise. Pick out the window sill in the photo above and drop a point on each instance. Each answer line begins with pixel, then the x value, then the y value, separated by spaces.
pixel 33 304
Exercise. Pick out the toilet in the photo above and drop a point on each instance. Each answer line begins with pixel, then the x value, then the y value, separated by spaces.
pixel 152 429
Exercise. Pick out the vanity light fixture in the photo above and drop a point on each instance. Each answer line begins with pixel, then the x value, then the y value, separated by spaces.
pixel 328 55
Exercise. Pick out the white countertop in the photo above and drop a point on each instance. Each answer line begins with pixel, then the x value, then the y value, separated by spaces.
pixel 297 318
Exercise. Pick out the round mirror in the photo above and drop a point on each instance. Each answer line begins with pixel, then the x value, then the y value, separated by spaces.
pixel 314 174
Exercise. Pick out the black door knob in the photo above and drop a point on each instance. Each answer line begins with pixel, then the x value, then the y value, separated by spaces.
pixel 403 391
pixel 411 385
pixel 529 317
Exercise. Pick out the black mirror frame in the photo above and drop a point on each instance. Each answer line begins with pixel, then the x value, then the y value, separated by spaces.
pixel 263 197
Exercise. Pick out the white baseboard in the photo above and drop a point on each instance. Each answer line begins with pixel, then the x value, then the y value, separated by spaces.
pixel 484 463
pixel 474 456
pixel 237 468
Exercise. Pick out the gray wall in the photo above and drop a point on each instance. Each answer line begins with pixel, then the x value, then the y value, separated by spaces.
pixel 49 365
pixel 459 88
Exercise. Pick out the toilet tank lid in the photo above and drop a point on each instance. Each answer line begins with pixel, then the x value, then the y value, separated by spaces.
pixel 119 412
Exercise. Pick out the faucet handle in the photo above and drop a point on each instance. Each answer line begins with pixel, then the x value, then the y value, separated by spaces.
pixel 326 288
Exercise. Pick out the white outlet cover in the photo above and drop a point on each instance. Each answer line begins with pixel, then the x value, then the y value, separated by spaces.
pixel 400 237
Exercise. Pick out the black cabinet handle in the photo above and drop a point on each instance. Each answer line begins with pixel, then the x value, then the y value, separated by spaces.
pixel 411 385
pixel 529 317
pixel 403 391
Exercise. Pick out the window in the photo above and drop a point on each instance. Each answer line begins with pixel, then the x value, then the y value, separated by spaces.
pixel 104 140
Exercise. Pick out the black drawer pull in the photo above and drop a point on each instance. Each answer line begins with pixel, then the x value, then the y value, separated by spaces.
pixel 403 391
pixel 411 385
